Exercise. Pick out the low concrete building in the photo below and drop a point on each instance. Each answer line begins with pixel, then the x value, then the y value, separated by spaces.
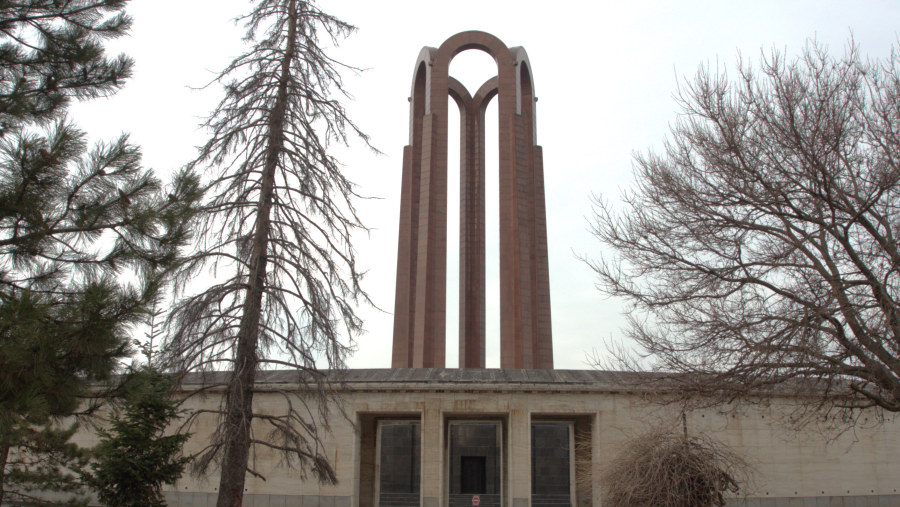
pixel 453 437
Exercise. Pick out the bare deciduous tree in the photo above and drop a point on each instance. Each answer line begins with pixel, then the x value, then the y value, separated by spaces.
pixel 280 221
pixel 662 468
pixel 759 249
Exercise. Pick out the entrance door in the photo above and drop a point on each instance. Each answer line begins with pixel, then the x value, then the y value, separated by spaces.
pixel 473 478
pixel 475 463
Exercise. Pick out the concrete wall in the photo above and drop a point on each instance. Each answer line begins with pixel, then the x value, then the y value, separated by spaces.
pixel 809 468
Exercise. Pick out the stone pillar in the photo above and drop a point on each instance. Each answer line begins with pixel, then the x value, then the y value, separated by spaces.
pixel 432 454
pixel 519 457
pixel 471 227
pixel 596 456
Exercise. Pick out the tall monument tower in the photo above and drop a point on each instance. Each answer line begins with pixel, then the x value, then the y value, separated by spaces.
pixel 420 312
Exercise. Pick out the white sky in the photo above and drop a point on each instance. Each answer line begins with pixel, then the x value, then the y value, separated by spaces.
pixel 604 72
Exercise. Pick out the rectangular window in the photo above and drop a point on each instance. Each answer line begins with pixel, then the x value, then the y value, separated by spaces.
pixel 399 460
pixel 551 451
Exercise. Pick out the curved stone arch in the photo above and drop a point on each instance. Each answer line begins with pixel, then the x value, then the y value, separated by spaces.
pixel 471 39
pixel 460 94
pixel 525 93
pixel 520 56
pixel 421 81
pixel 485 93
pixel 474 39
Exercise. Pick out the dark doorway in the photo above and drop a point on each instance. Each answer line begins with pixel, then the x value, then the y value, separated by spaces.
pixel 473 475
pixel 475 462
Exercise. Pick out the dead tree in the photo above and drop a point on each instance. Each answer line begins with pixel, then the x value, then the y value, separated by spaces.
pixel 279 221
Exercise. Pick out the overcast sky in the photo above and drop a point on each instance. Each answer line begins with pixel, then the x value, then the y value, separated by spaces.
pixel 605 74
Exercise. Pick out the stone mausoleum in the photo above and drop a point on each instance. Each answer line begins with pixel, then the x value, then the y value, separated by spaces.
pixel 507 437
pixel 420 434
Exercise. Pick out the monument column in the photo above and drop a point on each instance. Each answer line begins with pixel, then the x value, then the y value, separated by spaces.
pixel 420 304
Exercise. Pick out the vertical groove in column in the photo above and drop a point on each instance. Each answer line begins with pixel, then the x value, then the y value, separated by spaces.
pixel 471 232
pixel 524 221
pixel 479 295
pixel 436 329
pixel 429 300
pixel 407 250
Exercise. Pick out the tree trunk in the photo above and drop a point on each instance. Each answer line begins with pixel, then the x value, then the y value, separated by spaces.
pixel 239 395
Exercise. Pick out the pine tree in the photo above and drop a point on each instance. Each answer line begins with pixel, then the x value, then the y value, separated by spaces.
pixel 52 51
pixel 86 234
pixel 135 456
pixel 280 218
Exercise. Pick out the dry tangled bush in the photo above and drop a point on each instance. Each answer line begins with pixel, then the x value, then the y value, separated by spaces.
pixel 663 468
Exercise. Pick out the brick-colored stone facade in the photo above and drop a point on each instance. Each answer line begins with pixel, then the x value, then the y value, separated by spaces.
pixel 420 306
